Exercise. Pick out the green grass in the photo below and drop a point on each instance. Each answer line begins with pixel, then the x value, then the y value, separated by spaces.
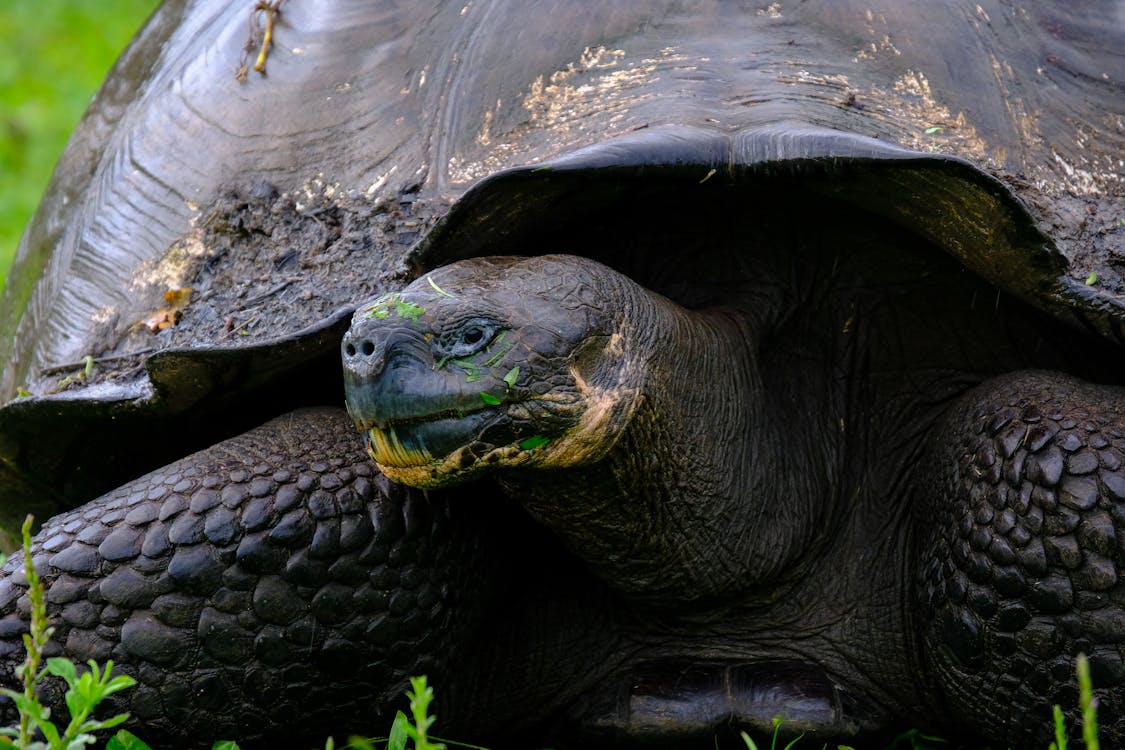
pixel 55 54
pixel 83 694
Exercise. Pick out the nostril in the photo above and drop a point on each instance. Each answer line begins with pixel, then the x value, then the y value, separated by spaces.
pixel 349 349
pixel 367 348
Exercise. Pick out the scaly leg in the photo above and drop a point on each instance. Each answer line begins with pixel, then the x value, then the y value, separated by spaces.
pixel 1022 531
pixel 271 584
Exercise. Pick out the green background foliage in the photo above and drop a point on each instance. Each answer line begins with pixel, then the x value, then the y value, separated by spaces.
pixel 53 55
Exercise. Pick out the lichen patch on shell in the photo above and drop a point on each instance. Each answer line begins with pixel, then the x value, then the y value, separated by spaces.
pixel 880 39
pixel 773 10
pixel 911 101
pixel 174 268
pixel 589 98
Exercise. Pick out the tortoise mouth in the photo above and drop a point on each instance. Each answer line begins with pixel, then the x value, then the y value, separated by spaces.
pixel 423 440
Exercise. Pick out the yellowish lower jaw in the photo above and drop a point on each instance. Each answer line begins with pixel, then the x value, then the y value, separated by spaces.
pixel 387 450
pixel 416 467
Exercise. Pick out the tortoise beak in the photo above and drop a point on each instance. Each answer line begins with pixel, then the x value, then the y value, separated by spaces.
pixel 380 364
pixel 411 412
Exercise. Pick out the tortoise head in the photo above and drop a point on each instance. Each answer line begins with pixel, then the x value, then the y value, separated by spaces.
pixel 491 362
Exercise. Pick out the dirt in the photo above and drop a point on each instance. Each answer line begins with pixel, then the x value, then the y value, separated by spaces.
pixel 1087 229
pixel 263 264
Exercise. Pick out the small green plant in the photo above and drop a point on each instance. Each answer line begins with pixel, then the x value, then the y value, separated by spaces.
pixel 406 729
pixel 83 694
pixel 917 740
pixel 421 696
pixel 751 745
pixel 1089 705
pixel 126 740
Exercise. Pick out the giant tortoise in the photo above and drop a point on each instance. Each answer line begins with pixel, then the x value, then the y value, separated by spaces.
pixel 716 362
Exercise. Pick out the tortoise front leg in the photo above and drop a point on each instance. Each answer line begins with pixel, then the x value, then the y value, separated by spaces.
pixel 1021 525
pixel 272 584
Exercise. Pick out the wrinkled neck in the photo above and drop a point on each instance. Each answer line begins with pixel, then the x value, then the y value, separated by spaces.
pixel 695 501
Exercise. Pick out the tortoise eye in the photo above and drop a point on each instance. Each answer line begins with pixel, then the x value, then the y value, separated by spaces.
pixel 471 338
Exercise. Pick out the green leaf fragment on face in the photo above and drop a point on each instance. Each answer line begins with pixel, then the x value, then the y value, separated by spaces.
pixel 1092 278
pixel 379 308
pixel 510 377
pixel 533 442
pixel 408 310
pixel 933 130
pixel 472 372
pixel 505 347
pixel 489 399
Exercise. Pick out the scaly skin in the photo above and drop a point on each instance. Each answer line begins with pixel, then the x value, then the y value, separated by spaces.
pixel 1024 493
pixel 271 587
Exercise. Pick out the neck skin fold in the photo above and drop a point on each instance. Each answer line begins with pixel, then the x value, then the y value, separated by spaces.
pixel 705 493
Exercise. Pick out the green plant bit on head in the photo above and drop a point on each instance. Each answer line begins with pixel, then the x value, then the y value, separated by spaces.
pixel 380 307
pixel 533 442
pixel 1092 278
pixel 489 399
pixel 408 310
pixel 510 377
pixel 506 346
pixel 472 372
pixel 438 289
